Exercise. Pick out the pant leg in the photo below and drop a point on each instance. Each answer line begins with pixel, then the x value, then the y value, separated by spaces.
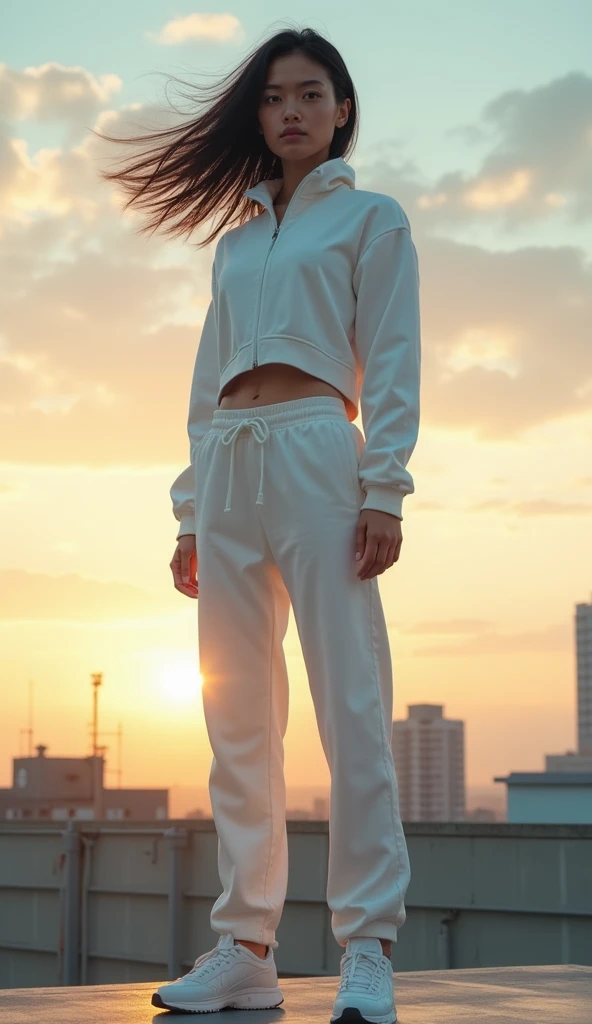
pixel 243 610
pixel 312 506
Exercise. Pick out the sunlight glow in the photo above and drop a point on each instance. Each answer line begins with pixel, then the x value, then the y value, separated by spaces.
pixel 178 677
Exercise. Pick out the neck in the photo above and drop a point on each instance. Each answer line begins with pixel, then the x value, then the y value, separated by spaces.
pixel 293 172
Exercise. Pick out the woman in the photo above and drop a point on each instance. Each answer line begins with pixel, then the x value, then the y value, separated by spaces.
pixel 314 308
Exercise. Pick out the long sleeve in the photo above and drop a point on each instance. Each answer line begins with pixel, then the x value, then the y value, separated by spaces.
pixel 388 345
pixel 202 402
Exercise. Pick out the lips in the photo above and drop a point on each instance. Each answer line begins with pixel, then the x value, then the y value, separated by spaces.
pixel 291 132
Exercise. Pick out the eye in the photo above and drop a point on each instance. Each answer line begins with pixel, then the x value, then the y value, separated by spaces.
pixel 274 96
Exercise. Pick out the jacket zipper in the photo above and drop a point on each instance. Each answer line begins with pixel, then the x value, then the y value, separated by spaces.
pixel 273 238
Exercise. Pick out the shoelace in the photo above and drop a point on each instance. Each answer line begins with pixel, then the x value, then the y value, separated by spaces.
pixel 212 959
pixel 363 969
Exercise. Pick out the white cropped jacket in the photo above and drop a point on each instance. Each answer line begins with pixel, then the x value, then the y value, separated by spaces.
pixel 334 291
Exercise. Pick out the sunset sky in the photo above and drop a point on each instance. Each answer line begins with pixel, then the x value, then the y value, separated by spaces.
pixel 477 118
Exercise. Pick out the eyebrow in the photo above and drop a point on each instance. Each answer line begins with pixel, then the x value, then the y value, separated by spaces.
pixel 309 81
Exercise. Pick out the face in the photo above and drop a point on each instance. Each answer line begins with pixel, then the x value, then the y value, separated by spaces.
pixel 299 94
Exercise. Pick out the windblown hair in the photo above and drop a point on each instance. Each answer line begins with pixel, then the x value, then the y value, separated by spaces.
pixel 196 169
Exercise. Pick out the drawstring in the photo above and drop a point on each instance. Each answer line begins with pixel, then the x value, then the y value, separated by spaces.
pixel 260 433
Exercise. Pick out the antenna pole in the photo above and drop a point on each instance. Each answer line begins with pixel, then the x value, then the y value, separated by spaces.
pixel 30 718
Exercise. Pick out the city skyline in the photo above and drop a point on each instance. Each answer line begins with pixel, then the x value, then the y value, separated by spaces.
pixel 187 692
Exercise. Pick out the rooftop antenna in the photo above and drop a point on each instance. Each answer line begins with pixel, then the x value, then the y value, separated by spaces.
pixel 97 681
pixel 29 731
pixel 117 770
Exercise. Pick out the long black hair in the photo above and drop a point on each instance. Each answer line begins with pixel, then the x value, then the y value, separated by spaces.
pixel 198 168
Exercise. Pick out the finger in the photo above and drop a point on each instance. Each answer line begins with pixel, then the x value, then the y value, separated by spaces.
pixel 360 540
pixel 190 589
pixel 175 565
pixel 392 555
pixel 397 549
pixel 379 563
pixel 383 558
pixel 188 562
pixel 185 566
pixel 369 556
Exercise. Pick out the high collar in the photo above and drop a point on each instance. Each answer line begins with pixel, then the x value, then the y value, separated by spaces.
pixel 327 176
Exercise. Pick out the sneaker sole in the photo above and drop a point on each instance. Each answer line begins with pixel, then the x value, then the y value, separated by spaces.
pixel 351 1015
pixel 254 999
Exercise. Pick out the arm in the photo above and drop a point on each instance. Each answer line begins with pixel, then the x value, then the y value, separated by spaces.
pixel 202 402
pixel 387 339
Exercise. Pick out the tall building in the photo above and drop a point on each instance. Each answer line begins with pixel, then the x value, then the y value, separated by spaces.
pixel 580 761
pixel 584 676
pixel 429 755
pixel 563 792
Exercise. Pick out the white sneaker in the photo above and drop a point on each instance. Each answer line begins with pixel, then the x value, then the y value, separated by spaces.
pixel 228 975
pixel 366 992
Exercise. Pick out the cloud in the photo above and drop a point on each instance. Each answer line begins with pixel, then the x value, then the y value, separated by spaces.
pixel 217 28
pixel 506 337
pixel 91 360
pixel 52 92
pixel 100 329
pixel 535 509
pixel 450 626
pixel 70 597
pixel 538 160
pixel 517 509
pixel 550 639
pixel 86 376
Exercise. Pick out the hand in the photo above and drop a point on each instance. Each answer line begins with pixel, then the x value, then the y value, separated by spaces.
pixel 184 566
pixel 378 542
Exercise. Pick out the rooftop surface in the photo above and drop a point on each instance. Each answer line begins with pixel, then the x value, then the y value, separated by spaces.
pixel 495 995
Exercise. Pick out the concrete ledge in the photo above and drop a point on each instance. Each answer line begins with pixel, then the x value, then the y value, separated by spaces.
pixel 503 829
pixel 495 995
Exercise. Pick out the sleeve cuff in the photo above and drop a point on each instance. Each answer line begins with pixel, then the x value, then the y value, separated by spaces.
pixel 385 499
pixel 186 525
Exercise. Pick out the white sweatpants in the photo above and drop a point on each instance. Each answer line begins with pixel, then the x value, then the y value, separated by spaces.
pixel 278 504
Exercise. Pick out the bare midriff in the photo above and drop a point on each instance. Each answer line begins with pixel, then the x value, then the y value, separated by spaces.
pixel 272 383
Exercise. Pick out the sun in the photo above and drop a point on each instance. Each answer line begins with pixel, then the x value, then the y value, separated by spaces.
pixel 178 676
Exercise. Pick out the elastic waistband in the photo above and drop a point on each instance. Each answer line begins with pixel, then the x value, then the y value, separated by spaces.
pixel 283 414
